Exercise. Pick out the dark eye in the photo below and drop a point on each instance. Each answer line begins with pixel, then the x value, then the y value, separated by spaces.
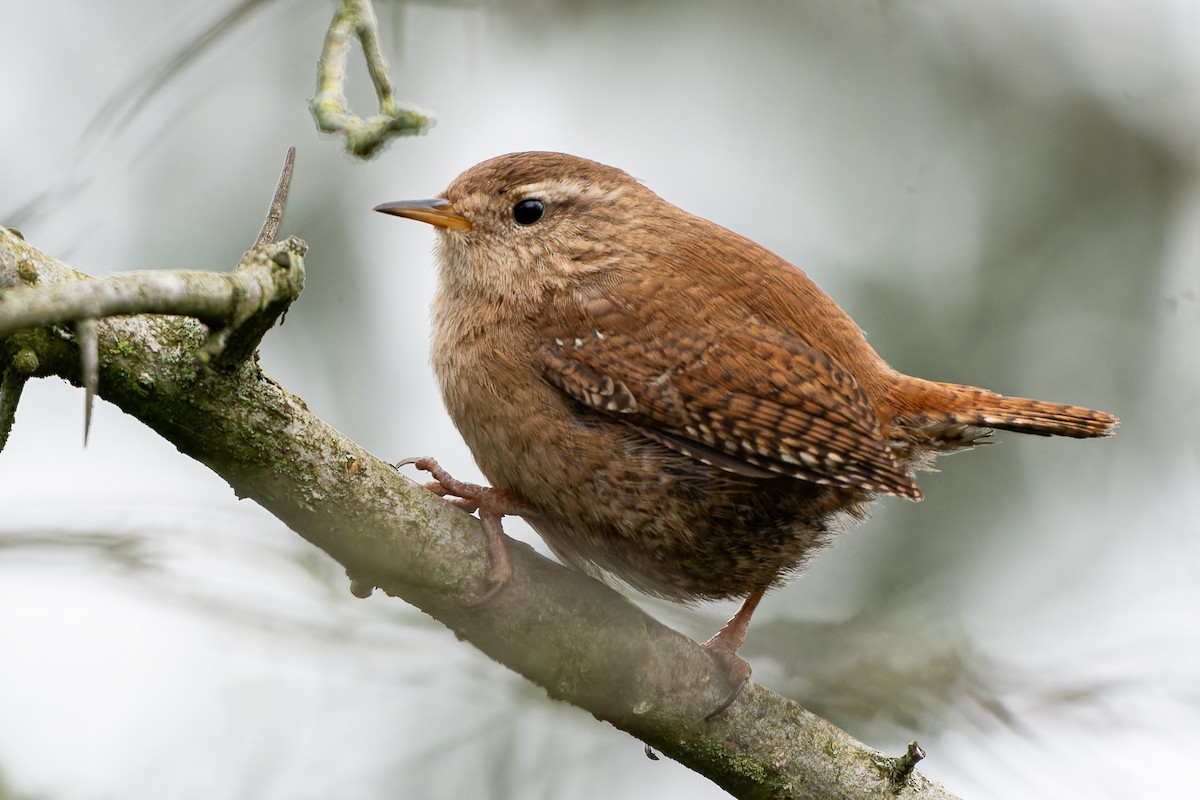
pixel 528 211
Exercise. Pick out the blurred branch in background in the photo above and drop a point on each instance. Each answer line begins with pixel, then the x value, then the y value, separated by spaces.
pixel 127 102
pixel 364 137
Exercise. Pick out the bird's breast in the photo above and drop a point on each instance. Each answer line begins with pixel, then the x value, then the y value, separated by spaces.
pixel 485 366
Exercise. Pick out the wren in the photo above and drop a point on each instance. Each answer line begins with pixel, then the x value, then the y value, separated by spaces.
pixel 666 402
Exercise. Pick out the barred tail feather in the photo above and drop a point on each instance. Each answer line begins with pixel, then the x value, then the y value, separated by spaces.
pixel 1039 417
pixel 968 405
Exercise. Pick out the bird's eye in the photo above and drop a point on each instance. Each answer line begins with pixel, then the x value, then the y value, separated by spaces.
pixel 528 211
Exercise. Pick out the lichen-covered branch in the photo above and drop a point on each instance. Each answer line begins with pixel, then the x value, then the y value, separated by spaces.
pixel 218 299
pixel 364 137
pixel 580 640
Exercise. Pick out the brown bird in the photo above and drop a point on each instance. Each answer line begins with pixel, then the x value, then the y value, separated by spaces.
pixel 665 401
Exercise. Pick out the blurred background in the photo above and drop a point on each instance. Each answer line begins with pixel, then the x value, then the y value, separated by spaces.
pixel 1000 193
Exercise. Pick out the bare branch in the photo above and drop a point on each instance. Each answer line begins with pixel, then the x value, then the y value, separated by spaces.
pixel 214 298
pixel 364 138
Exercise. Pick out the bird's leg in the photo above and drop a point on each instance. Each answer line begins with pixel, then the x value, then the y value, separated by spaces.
pixel 724 645
pixel 491 503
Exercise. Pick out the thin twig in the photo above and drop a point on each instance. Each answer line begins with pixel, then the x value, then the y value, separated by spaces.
pixel 270 228
pixel 211 297
pixel 364 137
pixel 89 368
pixel 12 381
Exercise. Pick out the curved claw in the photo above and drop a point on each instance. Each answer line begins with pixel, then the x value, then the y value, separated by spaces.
pixel 415 461
pixel 487 596
pixel 739 676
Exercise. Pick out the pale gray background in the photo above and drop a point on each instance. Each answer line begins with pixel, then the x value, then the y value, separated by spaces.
pixel 1002 193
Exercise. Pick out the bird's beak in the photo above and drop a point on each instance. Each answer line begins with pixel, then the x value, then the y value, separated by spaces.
pixel 436 212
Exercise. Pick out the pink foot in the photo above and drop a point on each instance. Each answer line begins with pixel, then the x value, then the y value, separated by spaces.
pixel 723 648
pixel 491 503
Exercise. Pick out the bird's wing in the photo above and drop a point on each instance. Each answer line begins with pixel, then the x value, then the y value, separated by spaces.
pixel 750 398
